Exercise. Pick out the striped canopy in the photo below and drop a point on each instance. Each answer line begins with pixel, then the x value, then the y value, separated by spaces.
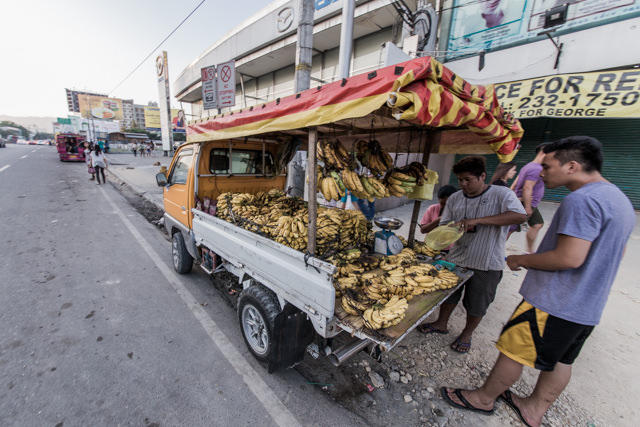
pixel 419 92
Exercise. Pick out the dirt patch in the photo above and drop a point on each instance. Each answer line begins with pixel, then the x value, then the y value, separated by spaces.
pixel 147 209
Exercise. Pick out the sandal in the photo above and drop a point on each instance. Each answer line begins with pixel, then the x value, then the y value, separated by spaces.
pixel 427 328
pixel 460 347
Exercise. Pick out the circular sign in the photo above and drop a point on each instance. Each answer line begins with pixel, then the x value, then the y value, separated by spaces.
pixel 225 73
pixel 284 19
pixel 211 74
pixel 159 65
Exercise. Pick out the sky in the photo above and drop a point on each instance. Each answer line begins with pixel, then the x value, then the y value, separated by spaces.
pixel 47 46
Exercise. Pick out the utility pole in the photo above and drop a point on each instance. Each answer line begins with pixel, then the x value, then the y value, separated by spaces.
pixel 346 37
pixel 304 47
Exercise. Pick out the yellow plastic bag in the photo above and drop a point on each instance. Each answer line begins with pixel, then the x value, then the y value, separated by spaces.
pixel 443 236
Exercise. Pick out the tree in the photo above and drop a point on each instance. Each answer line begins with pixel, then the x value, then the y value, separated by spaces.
pixel 13 128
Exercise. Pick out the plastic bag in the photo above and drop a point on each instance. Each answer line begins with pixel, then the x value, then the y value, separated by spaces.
pixel 443 236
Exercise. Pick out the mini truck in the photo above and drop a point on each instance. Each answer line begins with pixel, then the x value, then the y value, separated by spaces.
pixel 287 301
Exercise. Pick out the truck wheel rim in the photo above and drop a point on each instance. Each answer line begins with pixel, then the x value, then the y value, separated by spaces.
pixel 176 257
pixel 255 329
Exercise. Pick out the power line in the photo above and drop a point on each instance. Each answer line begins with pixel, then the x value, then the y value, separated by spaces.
pixel 156 48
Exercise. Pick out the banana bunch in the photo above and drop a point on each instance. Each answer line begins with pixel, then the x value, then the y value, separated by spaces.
pixel 292 232
pixel 422 249
pixel 389 314
pixel 420 173
pixel 372 156
pixel 333 154
pixel 331 187
pixel 355 305
pixel 399 183
pixel 406 257
pixel 446 279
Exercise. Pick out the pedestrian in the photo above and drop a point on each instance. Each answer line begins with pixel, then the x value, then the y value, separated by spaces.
pixel 566 287
pixel 431 218
pixel 87 160
pixel 349 201
pixel 530 189
pixel 99 162
pixel 484 212
pixel 134 148
pixel 503 173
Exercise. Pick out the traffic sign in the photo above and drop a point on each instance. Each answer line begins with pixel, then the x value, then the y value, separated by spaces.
pixel 209 92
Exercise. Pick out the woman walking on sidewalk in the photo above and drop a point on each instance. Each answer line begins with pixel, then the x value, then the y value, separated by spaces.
pixel 99 162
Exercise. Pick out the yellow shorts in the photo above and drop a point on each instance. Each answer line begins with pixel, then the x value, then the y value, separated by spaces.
pixel 539 340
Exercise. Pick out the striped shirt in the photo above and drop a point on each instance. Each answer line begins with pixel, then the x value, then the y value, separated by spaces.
pixel 484 249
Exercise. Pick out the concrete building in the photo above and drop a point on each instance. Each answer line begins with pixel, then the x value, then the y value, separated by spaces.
pixel 562 67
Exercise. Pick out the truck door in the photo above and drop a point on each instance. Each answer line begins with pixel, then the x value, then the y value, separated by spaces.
pixel 178 191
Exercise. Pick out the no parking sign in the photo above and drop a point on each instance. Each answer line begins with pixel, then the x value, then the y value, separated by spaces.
pixel 219 85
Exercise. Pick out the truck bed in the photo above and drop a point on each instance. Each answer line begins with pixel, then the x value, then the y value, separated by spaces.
pixel 306 282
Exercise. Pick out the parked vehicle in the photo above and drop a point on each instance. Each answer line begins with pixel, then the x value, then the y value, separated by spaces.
pixel 70 147
pixel 287 298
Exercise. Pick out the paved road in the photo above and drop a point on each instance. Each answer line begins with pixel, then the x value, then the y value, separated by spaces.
pixel 97 329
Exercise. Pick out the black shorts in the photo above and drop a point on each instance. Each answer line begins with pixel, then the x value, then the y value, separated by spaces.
pixel 539 340
pixel 479 292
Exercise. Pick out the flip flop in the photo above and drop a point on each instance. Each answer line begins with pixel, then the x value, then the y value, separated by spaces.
pixel 465 404
pixel 506 396
pixel 426 328
pixel 460 347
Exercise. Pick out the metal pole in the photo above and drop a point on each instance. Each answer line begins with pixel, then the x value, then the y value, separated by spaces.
pixel 313 191
pixel 346 37
pixel 304 47
pixel 417 202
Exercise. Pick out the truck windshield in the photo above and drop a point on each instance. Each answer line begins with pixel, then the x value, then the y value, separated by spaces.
pixel 242 162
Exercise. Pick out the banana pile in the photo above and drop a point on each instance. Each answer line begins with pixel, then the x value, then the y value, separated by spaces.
pixel 399 183
pixel 372 156
pixel 334 155
pixel 286 220
pixel 365 288
pixel 420 173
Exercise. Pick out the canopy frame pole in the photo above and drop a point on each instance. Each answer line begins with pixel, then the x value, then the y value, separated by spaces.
pixel 418 202
pixel 312 173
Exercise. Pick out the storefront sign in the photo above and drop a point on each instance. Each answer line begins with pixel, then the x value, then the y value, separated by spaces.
pixel 612 94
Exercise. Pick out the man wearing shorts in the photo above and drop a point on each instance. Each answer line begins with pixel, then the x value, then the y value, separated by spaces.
pixel 530 189
pixel 485 212
pixel 566 286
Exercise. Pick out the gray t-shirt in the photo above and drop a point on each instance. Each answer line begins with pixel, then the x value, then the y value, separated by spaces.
pixel 484 249
pixel 603 215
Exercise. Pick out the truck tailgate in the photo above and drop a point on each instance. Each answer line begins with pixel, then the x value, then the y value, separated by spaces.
pixel 420 307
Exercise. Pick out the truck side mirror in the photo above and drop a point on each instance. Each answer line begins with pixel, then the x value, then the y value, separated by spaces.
pixel 161 179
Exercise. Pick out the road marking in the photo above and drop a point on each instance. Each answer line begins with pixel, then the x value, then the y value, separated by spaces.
pixel 278 411
pixel 25 156
pixel 5 167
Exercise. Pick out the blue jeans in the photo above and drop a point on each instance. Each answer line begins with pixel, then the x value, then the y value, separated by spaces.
pixel 367 208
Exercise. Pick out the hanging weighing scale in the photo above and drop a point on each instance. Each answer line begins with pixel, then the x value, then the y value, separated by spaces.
pixel 386 242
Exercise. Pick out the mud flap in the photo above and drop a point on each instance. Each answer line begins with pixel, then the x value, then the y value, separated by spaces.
pixel 292 333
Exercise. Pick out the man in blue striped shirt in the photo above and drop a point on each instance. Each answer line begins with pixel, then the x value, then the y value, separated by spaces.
pixel 485 213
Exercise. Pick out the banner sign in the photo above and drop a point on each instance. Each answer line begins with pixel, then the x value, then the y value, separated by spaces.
pixel 152 119
pixel 100 107
pixel 209 93
pixel 611 94
pixel 162 71
pixel 486 25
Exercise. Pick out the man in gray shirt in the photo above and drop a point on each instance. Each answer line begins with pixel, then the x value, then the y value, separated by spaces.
pixel 484 212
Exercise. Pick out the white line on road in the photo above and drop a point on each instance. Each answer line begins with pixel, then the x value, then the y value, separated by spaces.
pixel 5 167
pixel 25 156
pixel 278 411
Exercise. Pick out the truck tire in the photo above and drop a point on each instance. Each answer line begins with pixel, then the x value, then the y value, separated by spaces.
pixel 182 260
pixel 257 310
